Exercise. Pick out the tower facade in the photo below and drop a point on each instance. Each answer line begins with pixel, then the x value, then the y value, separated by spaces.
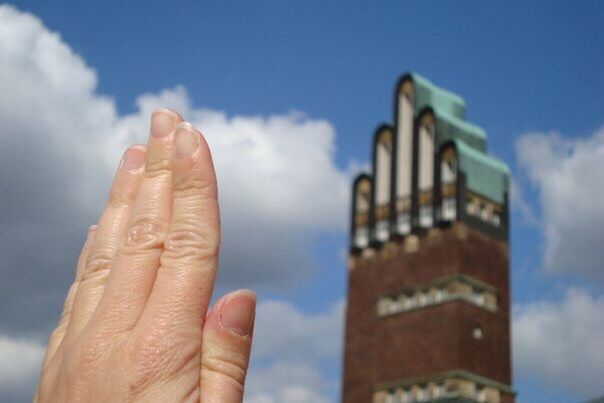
pixel 428 282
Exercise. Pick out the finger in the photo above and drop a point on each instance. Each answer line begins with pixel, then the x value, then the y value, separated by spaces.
pixel 108 236
pixel 57 335
pixel 185 278
pixel 132 277
pixel 226 346
pixel 81 265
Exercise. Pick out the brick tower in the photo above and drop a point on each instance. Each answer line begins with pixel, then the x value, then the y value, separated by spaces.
pixel 428 286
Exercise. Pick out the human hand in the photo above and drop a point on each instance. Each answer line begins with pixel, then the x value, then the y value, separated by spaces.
pixel 134 324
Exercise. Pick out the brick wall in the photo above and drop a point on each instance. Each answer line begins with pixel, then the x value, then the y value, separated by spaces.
pixel 432 339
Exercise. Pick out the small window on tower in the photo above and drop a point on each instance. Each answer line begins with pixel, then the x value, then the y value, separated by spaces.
pixel 428 296
pixel 382 307
pixel 481 394
pixel 477 296
pixel 448 178
pixel 438 295
pixel 382 171
pixel 440 390
pixel 421 394
pixel 412 301
pixel 421 299
pixel 448 173
pixel 362 202
pixel 477 332
pixel 425 176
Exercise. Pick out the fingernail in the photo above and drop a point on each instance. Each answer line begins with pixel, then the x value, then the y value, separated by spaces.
pixel 133 159
pixel 186 140
pixel 161 122
pixel 238 313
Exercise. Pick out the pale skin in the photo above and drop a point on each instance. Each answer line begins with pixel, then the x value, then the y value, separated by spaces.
pixel 136 323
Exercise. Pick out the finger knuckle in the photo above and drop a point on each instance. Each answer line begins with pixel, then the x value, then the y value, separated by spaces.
pixel 194 186
pixel 189 240
pixel 119 198
pixel 98 264
pixel 158 165
pixel 232 367
pixel 144 233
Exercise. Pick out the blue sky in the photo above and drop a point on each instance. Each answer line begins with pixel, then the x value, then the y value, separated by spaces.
pixel 522 67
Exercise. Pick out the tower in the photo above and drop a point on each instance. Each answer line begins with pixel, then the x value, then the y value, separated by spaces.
pixel 428 281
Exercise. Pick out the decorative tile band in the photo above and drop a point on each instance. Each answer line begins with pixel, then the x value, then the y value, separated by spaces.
pixel 449 386
pixel 445 289
pixel 484 209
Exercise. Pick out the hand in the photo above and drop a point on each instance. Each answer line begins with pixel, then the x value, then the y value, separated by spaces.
pixel 134 324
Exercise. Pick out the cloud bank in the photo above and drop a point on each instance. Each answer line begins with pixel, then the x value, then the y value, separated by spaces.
pixel 560 343
pixel 568 176
pixel 290 350
pixel 279 185
pixel 280 189
pixel 61 141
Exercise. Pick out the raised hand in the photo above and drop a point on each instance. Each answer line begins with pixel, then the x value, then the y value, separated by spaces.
pixel 134 325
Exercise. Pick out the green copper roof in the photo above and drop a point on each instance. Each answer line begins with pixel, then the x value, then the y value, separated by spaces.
pixel 485 175
pixel 449 127
pixel 428 94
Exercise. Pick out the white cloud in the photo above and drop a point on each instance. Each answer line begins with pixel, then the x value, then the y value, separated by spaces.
pixel 19 367
pixel 52 171
pixel 289 349
pixel 287 382
pixel 279 185
pixel 520 205
pixel 568 174
pixel 560 343
pixel 296 335
pixel 280 167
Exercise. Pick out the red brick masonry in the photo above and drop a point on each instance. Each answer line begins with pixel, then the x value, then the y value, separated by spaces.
pixel 433 339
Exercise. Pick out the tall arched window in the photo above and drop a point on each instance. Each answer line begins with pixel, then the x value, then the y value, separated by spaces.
pixel 361 208
pixel 425 178
pixel 383 176
pixel 404 155
pixel 448 182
